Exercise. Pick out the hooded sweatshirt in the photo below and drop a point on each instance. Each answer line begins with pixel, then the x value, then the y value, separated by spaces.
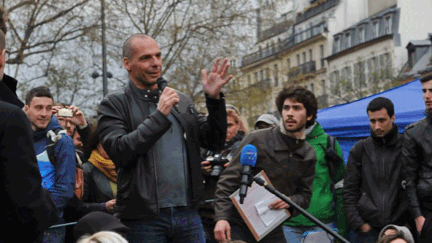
pixel 59 180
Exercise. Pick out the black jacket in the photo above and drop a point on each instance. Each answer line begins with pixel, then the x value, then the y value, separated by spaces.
pixel 128 133
pixel 27 209
pixel 372 185
pixel 417 159
pixel 8 86
pixel 97 188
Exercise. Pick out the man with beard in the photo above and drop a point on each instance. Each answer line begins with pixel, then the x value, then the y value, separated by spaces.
pixel 417 159
pixel 286 158
pixel 373 195
pixel 154 136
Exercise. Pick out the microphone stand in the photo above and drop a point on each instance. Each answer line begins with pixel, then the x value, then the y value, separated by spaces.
pixel 271 189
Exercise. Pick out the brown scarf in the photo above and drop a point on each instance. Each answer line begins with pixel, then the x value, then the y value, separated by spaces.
pixel 105 165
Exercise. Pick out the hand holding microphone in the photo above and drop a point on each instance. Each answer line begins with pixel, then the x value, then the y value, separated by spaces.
pixel 168 98
pixel 248 159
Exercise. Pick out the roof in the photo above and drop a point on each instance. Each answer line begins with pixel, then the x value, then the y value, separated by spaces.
pixel 420 42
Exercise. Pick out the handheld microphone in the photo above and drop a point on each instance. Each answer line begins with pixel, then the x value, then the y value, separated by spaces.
pixel 248 159
pixel 162 83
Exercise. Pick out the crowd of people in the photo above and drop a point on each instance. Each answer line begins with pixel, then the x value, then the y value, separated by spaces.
pixel 154 169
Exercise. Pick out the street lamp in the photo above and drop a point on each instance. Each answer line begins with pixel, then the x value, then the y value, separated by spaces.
pixel 96 74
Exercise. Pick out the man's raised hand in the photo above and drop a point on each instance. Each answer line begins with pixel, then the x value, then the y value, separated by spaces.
pixel 213 82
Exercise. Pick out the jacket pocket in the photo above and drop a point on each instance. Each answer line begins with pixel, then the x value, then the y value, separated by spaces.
pixel 424 186
pixel 367 208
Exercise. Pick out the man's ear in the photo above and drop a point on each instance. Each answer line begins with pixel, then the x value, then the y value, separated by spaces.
pixel 309 118
pixel 26 108
pixel 126 63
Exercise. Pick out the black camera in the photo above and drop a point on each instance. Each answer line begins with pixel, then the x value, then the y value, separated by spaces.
pixel 217 161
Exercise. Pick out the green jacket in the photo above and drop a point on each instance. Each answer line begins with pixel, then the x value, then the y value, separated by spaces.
pixel 321 204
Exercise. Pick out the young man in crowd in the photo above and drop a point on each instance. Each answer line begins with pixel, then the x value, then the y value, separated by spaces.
pixel 284 155
pixel 417 161
pixel 326 201
pixel 55 154
pixel 373 195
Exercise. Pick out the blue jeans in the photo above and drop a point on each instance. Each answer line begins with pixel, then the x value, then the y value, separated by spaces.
pixel 178 224
pixel 296 234
pixel 55 234
pixel 369 237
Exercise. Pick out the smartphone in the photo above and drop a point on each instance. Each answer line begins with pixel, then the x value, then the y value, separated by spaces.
pixel 63 112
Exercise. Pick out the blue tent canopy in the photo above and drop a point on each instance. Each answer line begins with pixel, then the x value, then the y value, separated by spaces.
pixel 349 122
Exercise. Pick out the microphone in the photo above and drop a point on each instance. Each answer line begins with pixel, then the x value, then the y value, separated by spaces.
pixel 248 159
pixel 162 83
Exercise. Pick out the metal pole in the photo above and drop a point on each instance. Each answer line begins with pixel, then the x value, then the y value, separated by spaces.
pixel 104 64
pixel 286 199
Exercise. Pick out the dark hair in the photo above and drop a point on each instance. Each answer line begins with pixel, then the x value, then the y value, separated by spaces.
pixel 301 95
pixel 392 237
pixel 426 78
pixel 41 91
pixel 379 103
pixel 93 139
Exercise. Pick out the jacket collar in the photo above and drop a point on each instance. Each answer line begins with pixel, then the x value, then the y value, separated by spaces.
pixel 315 132
pixel 8 87
pixel 285 142
pixel 53 125
pixel 143 94
pixel 428 114
pixel 388 139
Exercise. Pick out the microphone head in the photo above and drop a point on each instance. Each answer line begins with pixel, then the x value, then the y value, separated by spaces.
pixel 248 155
pixel 162 83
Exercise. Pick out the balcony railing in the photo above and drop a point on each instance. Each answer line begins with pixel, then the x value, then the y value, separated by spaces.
pixel 263 84
pixel 304 68
pixel 276 30
pixel 316 10
pixel 290 41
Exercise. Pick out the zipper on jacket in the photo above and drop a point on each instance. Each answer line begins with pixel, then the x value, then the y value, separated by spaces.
pixel 155 172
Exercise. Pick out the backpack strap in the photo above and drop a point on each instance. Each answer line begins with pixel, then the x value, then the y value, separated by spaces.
pixel 53 138
pixel 332 158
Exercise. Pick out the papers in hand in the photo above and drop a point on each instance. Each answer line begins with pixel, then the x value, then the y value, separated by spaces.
pixel 255 212
pixel 266 214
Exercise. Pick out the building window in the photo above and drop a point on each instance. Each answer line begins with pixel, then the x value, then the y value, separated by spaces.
pixel 256 77
pixel 388 25
pixel 361 33
pixel 322 55
pixel 375 29
pixel 337 44
pixel 388 65
pixel 276 74
pixel 310 54
pixel 298 60
pixel 304 57
pixel 249 80
pixel 370 78
pixel 323 84
pixel 347 40
pixel 312 88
